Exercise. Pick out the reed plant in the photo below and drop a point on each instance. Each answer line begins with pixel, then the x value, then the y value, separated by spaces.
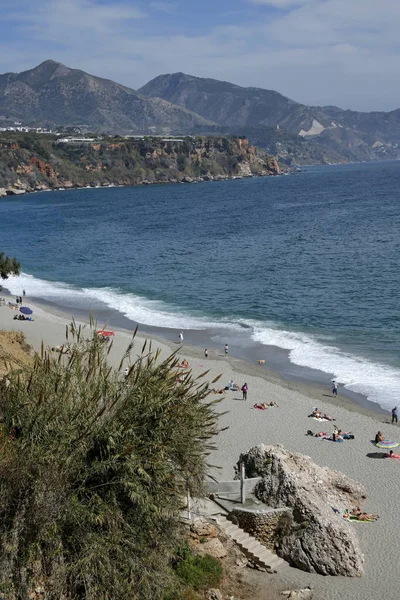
pixel 94 466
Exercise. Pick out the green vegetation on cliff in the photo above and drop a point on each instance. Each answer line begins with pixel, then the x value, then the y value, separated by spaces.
pixel 94 471
pixel 32 162
pixel 8 266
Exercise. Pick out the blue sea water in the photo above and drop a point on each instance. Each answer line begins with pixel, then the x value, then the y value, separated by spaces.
pixel 307 262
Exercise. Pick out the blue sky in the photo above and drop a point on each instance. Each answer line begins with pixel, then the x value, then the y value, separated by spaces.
pixel 343 52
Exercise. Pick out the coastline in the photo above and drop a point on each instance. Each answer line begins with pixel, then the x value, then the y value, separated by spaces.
pixel 277 369
pixel 287 425
pixel 18 192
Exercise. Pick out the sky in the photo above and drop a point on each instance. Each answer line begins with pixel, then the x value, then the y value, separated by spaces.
pixel 320 52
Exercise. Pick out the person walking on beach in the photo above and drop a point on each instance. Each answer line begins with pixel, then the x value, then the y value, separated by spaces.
pixel 205 353
pixel 226 349
pixel 23 293
pixel 334 388
pixel 394 414
pixel 245 389
pixel 181 337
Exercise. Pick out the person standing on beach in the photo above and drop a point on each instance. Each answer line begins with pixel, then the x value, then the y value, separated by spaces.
pixel 245 389
pixel 23 293
pixel 226 349
pixel 205 353
pixel 181 337
pixel 394 414
pixel 334 388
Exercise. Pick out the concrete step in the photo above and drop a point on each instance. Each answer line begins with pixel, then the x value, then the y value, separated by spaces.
pixel 241 536
pixel 230 527
pixel 250 546
pixel 254 545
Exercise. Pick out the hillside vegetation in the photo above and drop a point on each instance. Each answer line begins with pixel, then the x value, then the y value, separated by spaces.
pixel 31 162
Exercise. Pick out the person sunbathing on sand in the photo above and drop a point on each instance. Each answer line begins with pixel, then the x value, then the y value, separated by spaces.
pixel 321 434
pixel 391 455
pixel 379 437
pixel 184 364
pixel 327 417
pixel 363 516
pixel 263 406
pixel 319 415
pixel 346 435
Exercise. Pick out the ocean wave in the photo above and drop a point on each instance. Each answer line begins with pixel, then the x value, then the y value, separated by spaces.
pixel 136 308
pixel 379 382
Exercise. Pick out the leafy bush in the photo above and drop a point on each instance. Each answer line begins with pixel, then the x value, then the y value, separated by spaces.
pixel 93 469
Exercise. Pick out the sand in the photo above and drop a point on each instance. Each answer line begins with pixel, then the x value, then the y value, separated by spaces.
pixel 286 425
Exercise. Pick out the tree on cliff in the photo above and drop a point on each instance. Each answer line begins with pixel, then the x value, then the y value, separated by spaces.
pixel 8 266
pixel 94 468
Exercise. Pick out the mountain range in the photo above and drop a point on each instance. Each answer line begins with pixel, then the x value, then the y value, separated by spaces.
pixel 53 94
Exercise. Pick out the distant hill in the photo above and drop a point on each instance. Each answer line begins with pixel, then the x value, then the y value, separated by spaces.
pixel 53 94
pixel 337 134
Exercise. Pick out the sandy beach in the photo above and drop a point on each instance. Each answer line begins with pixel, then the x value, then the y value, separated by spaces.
pixel 286 425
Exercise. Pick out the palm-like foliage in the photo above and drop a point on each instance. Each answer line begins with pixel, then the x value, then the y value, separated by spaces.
pixel 94 471
pixel 8 266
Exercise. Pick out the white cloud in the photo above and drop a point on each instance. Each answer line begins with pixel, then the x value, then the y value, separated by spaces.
pixel 342 52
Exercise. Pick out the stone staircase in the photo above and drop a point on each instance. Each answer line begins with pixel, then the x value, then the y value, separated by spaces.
pixel 250 546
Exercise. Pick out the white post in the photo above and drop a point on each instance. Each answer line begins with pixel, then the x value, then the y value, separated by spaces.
pixel 188 505
pixel 242 484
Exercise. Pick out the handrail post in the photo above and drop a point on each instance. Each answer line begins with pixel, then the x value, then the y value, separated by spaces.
pixel 188 504
pixel 242 483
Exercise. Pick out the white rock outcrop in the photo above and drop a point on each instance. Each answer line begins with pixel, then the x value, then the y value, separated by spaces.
pixel 316 538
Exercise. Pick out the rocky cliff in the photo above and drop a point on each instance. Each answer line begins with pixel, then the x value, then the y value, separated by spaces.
pixel 317 538
pixel 33 162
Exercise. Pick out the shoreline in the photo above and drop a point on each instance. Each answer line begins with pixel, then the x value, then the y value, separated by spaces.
pixel 244 362
pixel 243 427
pixel 9 192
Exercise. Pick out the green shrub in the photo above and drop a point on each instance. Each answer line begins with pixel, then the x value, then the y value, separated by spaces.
pixel 91 487
pixel 198 572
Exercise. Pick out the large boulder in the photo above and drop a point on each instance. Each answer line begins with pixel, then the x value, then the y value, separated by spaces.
pixel 315 538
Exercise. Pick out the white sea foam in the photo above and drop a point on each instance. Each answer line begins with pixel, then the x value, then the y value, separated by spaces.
pixel 133 307
pixel 379 382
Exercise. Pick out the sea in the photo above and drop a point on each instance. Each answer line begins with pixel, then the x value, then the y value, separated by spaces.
pixel 301 270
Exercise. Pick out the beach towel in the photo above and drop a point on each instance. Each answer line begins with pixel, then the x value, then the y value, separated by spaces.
pixel 320 419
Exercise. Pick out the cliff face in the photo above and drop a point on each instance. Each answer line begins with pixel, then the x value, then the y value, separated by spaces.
pixel 30 162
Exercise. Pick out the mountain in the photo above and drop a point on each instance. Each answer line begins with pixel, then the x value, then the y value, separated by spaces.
pixel 335 133
pixel 54 94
